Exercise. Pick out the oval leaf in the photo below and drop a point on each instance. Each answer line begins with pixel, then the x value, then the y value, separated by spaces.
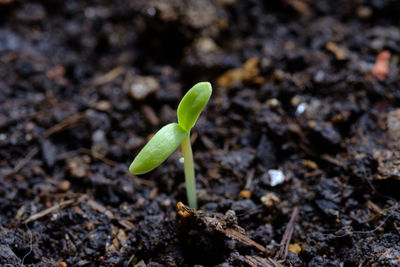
pixel 192 104
pixel 158 149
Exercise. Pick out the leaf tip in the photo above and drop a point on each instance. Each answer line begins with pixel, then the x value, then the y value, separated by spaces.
pixel 205 86
pixel 134 169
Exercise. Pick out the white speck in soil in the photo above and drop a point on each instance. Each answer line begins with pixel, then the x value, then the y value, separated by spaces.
pixel 277 177
pixel 301 108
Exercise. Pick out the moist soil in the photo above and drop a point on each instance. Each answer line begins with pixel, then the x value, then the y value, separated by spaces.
pixel 307 89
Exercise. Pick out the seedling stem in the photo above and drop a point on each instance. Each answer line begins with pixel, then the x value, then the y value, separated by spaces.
pixel 189 172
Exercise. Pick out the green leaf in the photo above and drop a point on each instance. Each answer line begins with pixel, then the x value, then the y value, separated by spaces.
pixel 192 104
pixel 158 149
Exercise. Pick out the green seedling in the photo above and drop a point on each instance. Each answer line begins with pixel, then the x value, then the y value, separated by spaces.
pixel 169 137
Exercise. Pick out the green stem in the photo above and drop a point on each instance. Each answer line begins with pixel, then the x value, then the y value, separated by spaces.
pixel 189 172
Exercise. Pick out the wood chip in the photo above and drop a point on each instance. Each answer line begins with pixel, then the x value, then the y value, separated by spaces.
pixel 340 52
pixel 247 72
pixel 150 115
pixel 102 105
pixel 125 223
pixel 300 6
pixel 310 164
pixel 153 193
pixel 20 212
pixel 270 200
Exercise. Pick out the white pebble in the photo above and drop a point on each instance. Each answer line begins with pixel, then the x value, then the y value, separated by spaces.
pixel 301 108
pixel 277 177
pixel 142 86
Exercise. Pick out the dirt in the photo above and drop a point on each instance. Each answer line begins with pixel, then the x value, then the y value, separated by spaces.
pixel 307 89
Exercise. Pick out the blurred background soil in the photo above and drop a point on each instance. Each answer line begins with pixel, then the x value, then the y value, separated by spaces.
pixel 304 117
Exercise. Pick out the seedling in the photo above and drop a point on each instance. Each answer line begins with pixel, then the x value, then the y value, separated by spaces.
pixel 169 137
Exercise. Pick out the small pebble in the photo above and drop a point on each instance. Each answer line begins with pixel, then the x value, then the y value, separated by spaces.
pixel 64 186
pixel 364 12
pixel 270 200
pixel 273 102
pixel 205 45
pixel 277 177
pixel 319 76
pixel 29 126
pixel 142 86
pixel 102 105
pixel 99 142
pixel 166 202
pixel 78 167
pixel 301 108
pixel 141 201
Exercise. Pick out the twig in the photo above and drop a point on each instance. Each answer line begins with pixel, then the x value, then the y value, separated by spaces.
pixel 48 211
pixel 68 122
pixel 287 236
pixel 249 179
pixel 255 261
pixel 98 156
pixel 22 117
pixel 324 157
pixel 333 161
pixel 109 76
pixel 86 151
pixel 23 161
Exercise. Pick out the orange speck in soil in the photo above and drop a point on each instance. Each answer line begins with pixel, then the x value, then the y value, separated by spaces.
pixel 245 194
pixel 381 66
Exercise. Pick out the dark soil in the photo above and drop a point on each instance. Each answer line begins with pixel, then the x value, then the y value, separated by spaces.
pixel 83 84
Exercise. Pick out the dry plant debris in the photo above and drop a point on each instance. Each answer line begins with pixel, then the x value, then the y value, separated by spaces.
pixel 247 72
pixel 227 227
